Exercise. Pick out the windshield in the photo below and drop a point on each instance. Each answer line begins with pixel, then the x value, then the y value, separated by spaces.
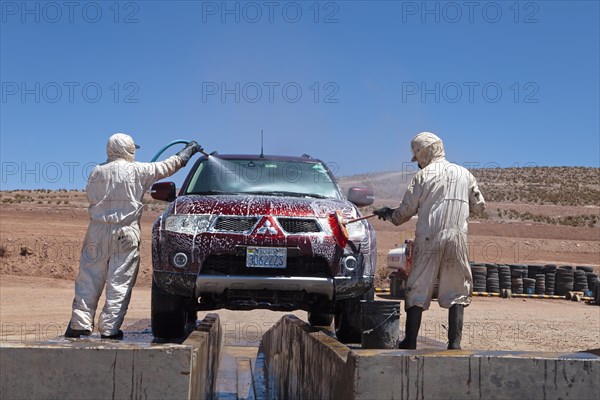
pixel 269 177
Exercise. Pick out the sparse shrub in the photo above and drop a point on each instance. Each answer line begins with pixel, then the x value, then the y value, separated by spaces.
pixel 3 251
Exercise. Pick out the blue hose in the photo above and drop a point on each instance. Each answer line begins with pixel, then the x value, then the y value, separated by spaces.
pixel 174 142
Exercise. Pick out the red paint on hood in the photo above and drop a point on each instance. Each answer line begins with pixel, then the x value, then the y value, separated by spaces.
pixel 258 205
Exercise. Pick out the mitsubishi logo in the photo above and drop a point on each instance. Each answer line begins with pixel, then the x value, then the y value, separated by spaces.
pixel 267 229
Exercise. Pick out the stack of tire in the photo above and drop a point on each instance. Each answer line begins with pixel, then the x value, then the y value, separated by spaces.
pixel 550 272
pixel 529 285
pixel 505 277
pixel 588 270
pixel 581 282
pixel 592 280
pixel 540 284
pixel 479 272
pixel 492 280
pixel 516 272
pixel 590 275
pixel 525 269
pixel 564 280
pixel 534 270
pixel 539 279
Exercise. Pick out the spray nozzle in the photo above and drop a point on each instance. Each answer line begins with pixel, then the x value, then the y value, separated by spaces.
pixel 201 150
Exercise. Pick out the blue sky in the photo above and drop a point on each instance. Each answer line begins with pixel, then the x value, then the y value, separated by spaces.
pixel 350 82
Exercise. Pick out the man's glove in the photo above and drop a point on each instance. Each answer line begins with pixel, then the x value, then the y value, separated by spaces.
pixel 384 213
pixel 188 151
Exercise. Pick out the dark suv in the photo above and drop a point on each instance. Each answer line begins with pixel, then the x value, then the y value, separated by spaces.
pixel 251 232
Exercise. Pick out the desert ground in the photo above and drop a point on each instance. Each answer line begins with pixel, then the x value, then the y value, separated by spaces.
pixel 41 234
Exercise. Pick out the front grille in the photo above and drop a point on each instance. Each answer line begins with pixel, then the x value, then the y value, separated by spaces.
pixel 225 264
pixel 235 224
pixel 299 225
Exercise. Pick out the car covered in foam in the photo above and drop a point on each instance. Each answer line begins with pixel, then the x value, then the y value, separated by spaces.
pixel 249 231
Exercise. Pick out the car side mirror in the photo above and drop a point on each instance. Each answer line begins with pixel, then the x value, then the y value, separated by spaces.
pixel 360 196
pixel 164 191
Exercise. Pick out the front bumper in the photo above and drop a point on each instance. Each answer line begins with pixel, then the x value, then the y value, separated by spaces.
pixel 215 284
pixel 241 292
pixel 192 285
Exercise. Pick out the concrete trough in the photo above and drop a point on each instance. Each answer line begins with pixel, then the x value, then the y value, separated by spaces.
pixel 307 362
pixel 94 369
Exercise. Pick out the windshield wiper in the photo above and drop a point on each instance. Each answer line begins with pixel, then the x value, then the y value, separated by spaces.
pixel 286 193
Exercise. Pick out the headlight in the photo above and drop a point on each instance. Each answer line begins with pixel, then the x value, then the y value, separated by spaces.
pixel 350 263
pixel 187 223
pixel 356 230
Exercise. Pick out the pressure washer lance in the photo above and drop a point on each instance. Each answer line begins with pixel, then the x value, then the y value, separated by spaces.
pixel 338 226
pixel 174 142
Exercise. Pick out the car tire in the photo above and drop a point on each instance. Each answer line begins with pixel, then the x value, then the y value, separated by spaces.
pixel 319 319
pixel 348 321
pixel 168 316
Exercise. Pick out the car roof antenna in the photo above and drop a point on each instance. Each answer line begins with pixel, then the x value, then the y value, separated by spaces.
pixel 262 152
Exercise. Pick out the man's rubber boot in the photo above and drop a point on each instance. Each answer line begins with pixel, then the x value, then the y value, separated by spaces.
pixel 116 336
pixel 413 323
pixel 455 326
pixel 76 333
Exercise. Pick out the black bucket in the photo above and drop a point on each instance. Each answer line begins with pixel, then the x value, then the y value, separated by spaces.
pixel 380 324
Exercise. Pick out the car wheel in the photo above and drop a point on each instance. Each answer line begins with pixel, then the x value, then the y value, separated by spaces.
pixel 319 319
pixel 348 319
pixel 167 314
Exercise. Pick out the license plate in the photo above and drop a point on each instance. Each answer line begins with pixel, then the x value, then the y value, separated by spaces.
pixel 266 257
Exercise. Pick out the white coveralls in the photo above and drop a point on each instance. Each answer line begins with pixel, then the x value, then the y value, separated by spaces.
pixel 443 194
pixel 110 251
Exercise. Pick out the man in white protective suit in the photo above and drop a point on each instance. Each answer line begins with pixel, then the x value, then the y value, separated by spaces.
pixel 442 194
pixel 110 253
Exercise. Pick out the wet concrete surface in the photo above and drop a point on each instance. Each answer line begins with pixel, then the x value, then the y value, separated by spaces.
pixel 242 373
pixel 137 334
pixel 132 368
